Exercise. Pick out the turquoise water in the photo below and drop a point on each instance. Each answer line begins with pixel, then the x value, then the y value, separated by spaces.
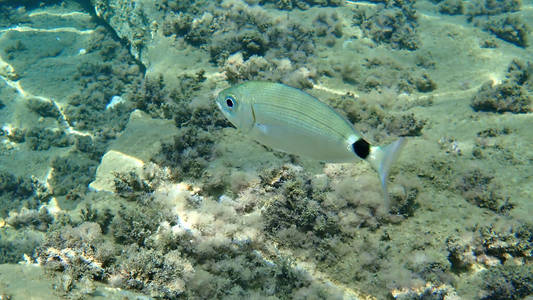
pixel 119 176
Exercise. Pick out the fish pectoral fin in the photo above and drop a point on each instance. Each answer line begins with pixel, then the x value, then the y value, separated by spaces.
pixel 253 112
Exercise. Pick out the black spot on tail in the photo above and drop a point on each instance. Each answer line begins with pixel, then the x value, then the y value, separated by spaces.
pixel 361 148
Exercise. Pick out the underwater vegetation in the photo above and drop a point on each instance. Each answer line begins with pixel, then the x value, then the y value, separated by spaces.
pixel 206 213
pixel 513 94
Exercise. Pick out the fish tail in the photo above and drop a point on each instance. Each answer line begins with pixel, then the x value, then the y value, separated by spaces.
pixel 381 159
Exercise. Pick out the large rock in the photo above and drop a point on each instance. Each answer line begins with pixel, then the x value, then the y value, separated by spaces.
pixel 140 140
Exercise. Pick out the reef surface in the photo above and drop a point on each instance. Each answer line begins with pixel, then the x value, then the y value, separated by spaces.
pixel 120 178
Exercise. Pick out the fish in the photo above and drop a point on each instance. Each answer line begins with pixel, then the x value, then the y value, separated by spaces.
pixel 290 120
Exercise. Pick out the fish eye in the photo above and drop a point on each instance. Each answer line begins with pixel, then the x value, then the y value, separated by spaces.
pixel 230 101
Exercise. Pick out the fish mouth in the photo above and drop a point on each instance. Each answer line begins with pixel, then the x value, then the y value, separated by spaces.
pixel 219 106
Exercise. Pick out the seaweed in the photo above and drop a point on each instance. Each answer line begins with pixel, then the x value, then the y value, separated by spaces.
pixel 14 244
pixel 298 207
pixel 329 27
pixel 301 4
pixel 116 73
pixel 189 153
pixel 509 28
pixel 17 192
pixel 38 219
pixel 237 28
pixel 504 97
pixel 132 226
pixel 75 255
pixel 39 139
pixel 507 282
pixel 72 174
pixel 93 147
pixel 152 97
pixel 130 186
pixel 451 7
pixel 394 24
pixel 46 109
pixel 102 217
pixel 11 50
pixel 492 7
pixel 17 135
pixel 479 189
pixel 511 95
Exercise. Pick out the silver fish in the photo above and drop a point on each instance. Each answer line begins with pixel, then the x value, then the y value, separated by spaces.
pixel 290 120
